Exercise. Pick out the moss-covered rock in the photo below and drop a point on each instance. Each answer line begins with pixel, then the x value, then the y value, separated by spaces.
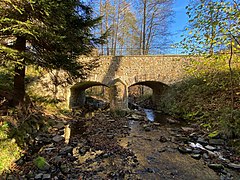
pixel 41 163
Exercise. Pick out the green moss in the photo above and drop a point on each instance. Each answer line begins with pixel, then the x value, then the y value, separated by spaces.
pixel 41 163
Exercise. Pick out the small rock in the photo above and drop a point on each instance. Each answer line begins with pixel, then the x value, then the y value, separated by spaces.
pixel 196 151
pixel 57 138
pixel 202 141
pixel 64 168
pixel 161 150
pixel 110 136
pixel 111 120
pixel 46 176
pixel 193 137
pixel 163 139
pixel 83 150
pixel 234 166
pixel 216 167
pixel 145 125
pixel 156 124
pixel 150 170
pixel 38 176
pixel 136 117
pixel 211 148
pixel 188 129
pixel 66 150
pixel 172 121
pixel 183 139
pixel 57 159
pixel 147 129
pixel 205 156
pixel 59 125
pixel 216 141
pixel 49 149
pixel 106 155
pixel 196 156
pixel 184 150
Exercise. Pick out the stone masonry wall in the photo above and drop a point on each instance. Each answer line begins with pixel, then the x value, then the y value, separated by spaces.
pixel 166 69
pixel 133 69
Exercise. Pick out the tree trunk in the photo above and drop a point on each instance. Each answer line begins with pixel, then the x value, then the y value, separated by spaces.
pixel 144 26
pixel 116 29
pixel 19 85
pixel 101 13
pixel 106 27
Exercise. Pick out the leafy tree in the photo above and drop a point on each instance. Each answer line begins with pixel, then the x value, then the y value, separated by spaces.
pixel 46 33
pixel 212 26
pixel 214 31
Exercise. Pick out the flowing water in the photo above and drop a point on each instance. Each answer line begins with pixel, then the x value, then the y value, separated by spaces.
pixel 156 149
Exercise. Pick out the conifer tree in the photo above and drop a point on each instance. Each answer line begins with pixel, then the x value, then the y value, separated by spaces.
pixel 46 33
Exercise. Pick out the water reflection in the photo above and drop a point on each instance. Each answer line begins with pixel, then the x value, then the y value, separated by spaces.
pixel 158 117
pixel 150 114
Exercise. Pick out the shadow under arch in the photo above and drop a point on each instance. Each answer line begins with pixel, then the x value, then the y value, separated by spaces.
pixel 77 92
pixel 158 88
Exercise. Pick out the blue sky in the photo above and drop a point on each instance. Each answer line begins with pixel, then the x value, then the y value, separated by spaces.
pixel 180 20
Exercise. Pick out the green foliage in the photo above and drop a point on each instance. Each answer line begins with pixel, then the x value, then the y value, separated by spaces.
pixel 47 33
pixel 6 80
pixel 57 32
pixel 213 26
pixel 213 86
pixel 213 134
pixel 205 96
pixel 9 150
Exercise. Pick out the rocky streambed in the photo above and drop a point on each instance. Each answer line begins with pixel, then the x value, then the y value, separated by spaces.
pixel 101 146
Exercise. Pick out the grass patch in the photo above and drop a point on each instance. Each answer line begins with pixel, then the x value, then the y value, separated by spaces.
pixel 9 150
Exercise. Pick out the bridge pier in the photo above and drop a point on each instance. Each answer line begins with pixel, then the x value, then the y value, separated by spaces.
pixel 77 98
pixel 118 95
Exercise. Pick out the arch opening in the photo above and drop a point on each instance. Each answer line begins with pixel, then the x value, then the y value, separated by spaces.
pixel 90 94
pixel 146 94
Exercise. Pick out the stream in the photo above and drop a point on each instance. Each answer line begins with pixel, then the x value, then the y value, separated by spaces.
pixel 157 143
pixel 133 146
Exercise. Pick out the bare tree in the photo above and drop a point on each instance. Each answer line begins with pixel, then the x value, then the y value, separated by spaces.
pixel 135 26
pixel 155 19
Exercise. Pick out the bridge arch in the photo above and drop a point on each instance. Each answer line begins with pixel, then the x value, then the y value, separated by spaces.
pixel 77 92
pixel 158 88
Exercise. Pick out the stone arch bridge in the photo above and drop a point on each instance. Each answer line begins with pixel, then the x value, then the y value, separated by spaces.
pixel 121 72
